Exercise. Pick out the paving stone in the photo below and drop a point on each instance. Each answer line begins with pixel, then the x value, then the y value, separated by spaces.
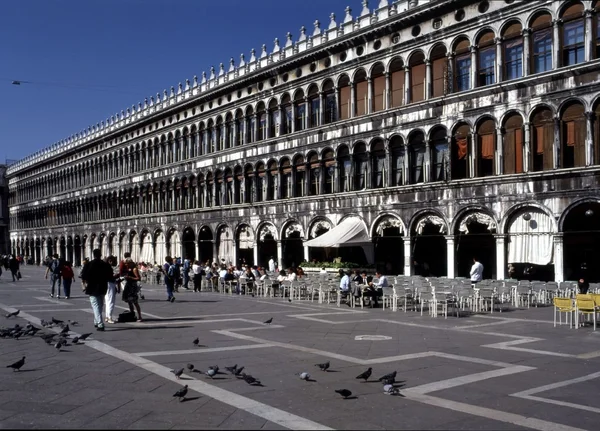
pixel 32 407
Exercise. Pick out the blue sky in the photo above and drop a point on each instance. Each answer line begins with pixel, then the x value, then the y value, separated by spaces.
pixel 89 59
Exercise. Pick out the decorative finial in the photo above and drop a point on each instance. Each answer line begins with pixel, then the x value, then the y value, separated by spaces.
pixel 332 23
pixel 221 69
pixel 252 55
pixel 276 48
pixel 165 95
pixel 203 77
pixel 180 88
pixel 187 84
pixel 172 91
pixel 195 80
pixel 317 28
pixel 348 17
pixel 302 34
pixel 145 102
pixel 231 64
pixel 263 52
pixel 212 72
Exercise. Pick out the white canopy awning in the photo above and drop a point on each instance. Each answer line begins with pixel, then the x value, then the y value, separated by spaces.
pixel 350 232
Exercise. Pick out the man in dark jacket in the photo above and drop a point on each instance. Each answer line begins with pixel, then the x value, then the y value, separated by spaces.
pixel 96 275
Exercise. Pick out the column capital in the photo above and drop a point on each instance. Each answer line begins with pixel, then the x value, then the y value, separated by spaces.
pixel 559 237
pixel 498 40
pixel 449 238
pixel 526 32
pixel 500 130
pixel 590 115
pixel 526 124
pixel 499 236
pixel 427 62
pixel 588 13
pixel 473 48
pixel 556 22
pixel 406 68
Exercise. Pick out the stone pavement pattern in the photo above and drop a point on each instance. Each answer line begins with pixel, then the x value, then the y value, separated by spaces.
pixel 510 370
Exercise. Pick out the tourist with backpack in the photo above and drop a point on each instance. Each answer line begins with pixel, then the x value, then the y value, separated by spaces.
pixel 55 269
pixel 67 276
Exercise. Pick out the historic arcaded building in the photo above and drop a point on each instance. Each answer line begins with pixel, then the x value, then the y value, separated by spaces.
pixel 412 135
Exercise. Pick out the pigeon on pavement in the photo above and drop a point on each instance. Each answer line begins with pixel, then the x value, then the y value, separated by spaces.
pixel 14 313
pixel 324 366
pixel 390 378
pixel 238 372
pixel 216 368
pixel 251 380
pixel 190 367
pixel 17 365
pixel 268 322
pixel 177 373
pixel 304 376
pixel 366 374
pixel 344 393
pixel 65 330
pixel 56 321
pixel 196 341
pixel 58 345
pixel 390 390
pixel 210 373
pixel 232 370
pixel 83 337
pixel 75 340
pixel 181 393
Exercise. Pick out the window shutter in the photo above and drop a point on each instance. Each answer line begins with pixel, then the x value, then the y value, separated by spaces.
pixel 487 147
pixel 518 149
pixel 509 151
pixel 580 135
pixel 549 146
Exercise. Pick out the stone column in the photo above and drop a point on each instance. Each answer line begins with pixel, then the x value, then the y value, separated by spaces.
pixel 407 255
pixel 526 147
pixel 307 113
pixel 256 127
pixel 321 108
pixel 557 143
pixel 406 85
pixel 450 256
pixel 500 256
pixel 427 164
pixel 279 255
pixel 306 252
pixel 338 114
pixel 558 258
pixel 255 251
pixel 234 253
pixel 472 155
pixel 589 32
pixel 268 126
pixel 292 127
pixel 428 79
pixel 352 103
pixel 474 68
pixel 388 86
pixel 526 32
pixel 215 256
pixel 589 141
pixel 556 45
pixel 370 92
pixel 499 60
pixel 499 151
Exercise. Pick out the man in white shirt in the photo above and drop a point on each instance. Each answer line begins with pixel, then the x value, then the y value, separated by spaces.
pixel 345 287
pixel 476 271
pixel 271 265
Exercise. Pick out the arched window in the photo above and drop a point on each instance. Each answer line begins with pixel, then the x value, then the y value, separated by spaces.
pixel 330 102
pixel 440 158
pixel 362 93
pixel 250 125
pixel 541 43
pixel 397 81
pixel 486 59
pixel 230 125
pixel 345 163
pixel 417 77
pixel 314 103
pixel 329 171
pixel 250 192
pixel 573 136
pixel 300 178
pixel 460 152
pixel 344 89
pixel 238 186
pixel 212 136
pixel 229 187
pixel 416 157
pixel 300 110
pixel 262 121
pixel 462 65
pixel 220 132
pixel 542 137
pixel 361 166
pixel 272 178
pixel 240 125
pixel 286 179
pixel 486 147
pixel 397 150
pixel 274 119
pixel 261 186
pixel 512 147
pixel 286 125
pixel 378 165
pixel 512 44
pixel 315 173
pixel 573 35
pixel 439 63
pixel 378 78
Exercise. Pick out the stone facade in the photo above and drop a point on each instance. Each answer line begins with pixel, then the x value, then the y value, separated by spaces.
pixel 4 241
pixel 450 128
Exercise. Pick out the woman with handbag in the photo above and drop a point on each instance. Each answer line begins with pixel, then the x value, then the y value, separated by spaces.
pixel 131 290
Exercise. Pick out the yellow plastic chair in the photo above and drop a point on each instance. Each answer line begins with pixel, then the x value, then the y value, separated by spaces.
pixel 563 305
pixel 585 306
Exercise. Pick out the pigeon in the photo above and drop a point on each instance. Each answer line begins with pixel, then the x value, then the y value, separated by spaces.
pixel 238 372
pixel 47 337
pixel 56 321
pixel 14 313
pixel 344 393
pixel 324 366
pixel 196 341
pixel 75 340
pixel 73 322
pixel 177 373
pixel 304 376
pixel 216 368
pixel 268 322
pixel 210 373
pixel 390 390
pixel 366 374
pixel 65 330
pixel 17 365
pixel 251 380
pixel 190 367
pixel 390 378
pixel 82 337
pixel 232 370
pixel 58 345
pixel 181 393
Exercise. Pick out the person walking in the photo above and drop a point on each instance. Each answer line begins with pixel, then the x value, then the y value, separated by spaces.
pixel 197 270
pixel 476 272
pixel 96 276
pixel 67 276
pixel 169 270
pixel 54 269
pixel 186 273
pixel 131 289
pixel 111 292
pixel 13 265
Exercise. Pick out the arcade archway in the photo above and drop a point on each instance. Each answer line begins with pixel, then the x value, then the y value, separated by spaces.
pixel 429 250
pixel 389 246
pixel 474 238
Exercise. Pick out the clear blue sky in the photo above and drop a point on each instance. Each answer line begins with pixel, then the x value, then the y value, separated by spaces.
pixel 89 59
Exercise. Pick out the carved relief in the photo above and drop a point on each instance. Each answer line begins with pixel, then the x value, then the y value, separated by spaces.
pixel 318 228
pixel 431 220
pixel 388 222
pixel 480 218
pixel 265 230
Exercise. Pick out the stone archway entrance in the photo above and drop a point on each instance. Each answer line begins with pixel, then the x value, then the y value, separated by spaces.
pixel 245 243
pixel 389 245
pixel 581 229
pixel 267 244
pixel 429 248
pixel 320 254
pixel 474 238
pixel 205 244
pixel 292 248
pixel 189 244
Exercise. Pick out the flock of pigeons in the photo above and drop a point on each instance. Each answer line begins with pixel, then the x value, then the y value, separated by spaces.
pixel 58 340
pixel 388 380
pixel 18 331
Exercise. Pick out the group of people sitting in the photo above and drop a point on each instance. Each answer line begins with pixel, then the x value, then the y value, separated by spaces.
pixel 359 284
